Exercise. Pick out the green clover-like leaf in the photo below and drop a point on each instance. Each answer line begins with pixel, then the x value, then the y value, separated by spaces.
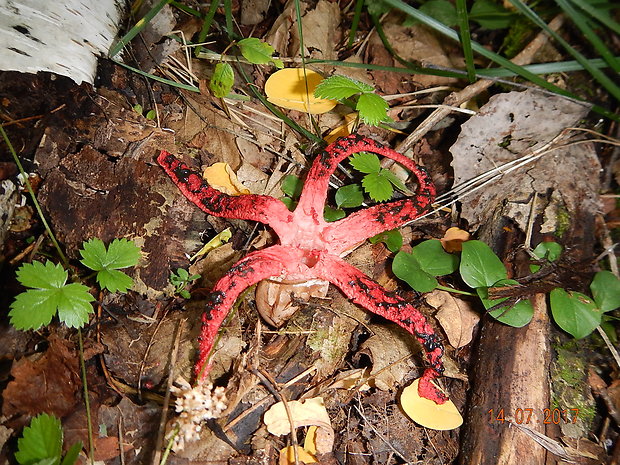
pixel 574 312
pixel 406 267
pixel 114 281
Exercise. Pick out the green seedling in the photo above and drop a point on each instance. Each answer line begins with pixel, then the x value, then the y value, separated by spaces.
pixel 121 253
pixel 371 107
pixel 49 294
pixel 41 443
pixel 180 280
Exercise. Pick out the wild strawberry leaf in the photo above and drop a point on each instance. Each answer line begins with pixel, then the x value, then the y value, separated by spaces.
pixel 377 186
pixel 114 280
pixel 222 80
pixel 397 183
pixel 40 441
pixel 366 162
pixel 36 307
pixel 338 87
pixel 372 109
pixel 121 253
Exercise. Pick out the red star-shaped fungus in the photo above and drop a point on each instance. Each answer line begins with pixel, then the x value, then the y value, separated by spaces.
pixel 310 248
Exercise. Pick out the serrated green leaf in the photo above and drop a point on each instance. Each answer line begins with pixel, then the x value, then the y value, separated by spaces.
pixel 349 196
pixel 33 309
pixel 392 239
pixel 292 186
pixel 74 305
pixel 256 51
pixel 93 254
pixel 605 289
pixel 42 276
pixel 122 253
pixel 406 267
pixel 574 312
pixel 40 441
pixel 222 80
pixel 366 162
pixel 378 187
pixel 372 109
pixel 434 259
pixel 480 267
pixel 114 281
pixel 516 316
pixel 338 87
pixel 397 183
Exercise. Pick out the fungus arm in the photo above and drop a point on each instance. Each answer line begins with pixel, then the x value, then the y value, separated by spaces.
pixel 371 221
pixel 367 293
pixel 262 208
pixel 255 267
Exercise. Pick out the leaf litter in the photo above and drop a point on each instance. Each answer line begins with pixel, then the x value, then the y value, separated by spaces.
pixel 215 137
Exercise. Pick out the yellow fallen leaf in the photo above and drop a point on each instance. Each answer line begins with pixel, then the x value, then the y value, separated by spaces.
pixel 307 413
pixel 287 456
pixel 344 129
pixel 220 239
pixel 288 88
pixel 310 440
pixel 452 240
pixel 427 413
pixel 220 176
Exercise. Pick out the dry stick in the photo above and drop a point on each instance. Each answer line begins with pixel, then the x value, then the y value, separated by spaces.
pixel 457 98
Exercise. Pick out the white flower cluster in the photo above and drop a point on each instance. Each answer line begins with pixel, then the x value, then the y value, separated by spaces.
pixel 194 405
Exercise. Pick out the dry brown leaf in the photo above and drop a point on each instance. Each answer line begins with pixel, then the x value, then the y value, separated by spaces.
pixel 455 316
pixel 508 127
pixel 276 300
pixel 388 349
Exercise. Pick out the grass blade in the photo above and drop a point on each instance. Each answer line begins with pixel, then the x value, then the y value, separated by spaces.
pixel 519 70
pixel 596 73
pixel 229 18
pixel 134 31
pixel 355 22
pixel 589 34
pixel 468 53
pixel 158 78
pixel 545 68
pixel 206 25
pixel 602 17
